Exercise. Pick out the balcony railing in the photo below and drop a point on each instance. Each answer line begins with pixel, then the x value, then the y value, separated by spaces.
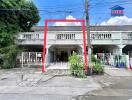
pixel 101 36
pixel 65 36
pixel 111 37
pixel 30 36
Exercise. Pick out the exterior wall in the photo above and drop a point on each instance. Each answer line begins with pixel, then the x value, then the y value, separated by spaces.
pixel 117 38
pixel 67 38
pixel 30 38
pixel 127 38
pixel 114 41
pixel 97 37
pixel 106 38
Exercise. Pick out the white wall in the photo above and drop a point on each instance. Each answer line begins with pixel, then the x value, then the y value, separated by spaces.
pixel 52 39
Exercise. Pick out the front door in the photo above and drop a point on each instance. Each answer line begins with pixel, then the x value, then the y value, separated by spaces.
pixel 64 56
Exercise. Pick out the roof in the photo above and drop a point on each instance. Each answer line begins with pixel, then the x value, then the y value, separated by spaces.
pixel 79 28
pixel 117 8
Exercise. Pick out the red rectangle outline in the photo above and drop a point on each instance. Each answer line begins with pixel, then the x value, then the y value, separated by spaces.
pixel 84 41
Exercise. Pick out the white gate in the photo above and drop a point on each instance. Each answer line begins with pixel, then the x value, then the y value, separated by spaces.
pixel 29 58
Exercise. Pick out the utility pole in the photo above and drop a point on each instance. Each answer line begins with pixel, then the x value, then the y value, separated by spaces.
pixel 88 37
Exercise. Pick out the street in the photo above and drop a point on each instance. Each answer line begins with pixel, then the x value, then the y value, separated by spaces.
pixel 48 86
pixel 122 90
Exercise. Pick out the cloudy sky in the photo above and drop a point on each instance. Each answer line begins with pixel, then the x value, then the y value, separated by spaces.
pixel 74 9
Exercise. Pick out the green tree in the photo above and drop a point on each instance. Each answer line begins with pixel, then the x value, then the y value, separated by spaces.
pixel 15 16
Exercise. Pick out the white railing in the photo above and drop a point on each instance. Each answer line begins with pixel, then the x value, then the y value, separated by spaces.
pixel 37 38
pixel 30 36
pixel 101 36
pixel 65 36
pixel 127 38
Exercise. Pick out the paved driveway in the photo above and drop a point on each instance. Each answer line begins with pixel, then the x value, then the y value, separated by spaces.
pixel 30 84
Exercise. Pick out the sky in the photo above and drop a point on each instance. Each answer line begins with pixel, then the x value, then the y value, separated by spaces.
pixel 99 11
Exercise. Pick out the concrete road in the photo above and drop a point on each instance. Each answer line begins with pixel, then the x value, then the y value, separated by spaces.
pixel 30 84
pixel 37 86
pixel 106 98
pixel 120 91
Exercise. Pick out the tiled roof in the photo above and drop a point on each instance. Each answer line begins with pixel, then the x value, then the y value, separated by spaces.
pixel 79 28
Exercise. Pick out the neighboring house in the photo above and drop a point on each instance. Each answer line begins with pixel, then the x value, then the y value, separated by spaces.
pixel 63 40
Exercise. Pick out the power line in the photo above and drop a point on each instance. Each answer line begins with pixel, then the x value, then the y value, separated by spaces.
pixel 70 10
pixel 74 7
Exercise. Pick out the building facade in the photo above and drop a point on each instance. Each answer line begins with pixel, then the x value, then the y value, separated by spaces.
pixel 63 40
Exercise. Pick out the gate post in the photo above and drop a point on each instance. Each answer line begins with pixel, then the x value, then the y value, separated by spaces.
pixel 29 64
pixel 22 60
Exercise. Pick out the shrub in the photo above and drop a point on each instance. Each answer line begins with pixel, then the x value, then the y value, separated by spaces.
pixel 98 68
pixel 9 56
pixel 93 58
pixel 76 65
pixel 98 61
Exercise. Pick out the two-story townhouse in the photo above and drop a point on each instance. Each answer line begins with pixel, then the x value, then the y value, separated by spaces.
pixel 63 40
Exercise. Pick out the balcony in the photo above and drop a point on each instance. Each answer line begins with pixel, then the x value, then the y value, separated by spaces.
pixel 30 38
pixel 127 38
pixel 70 38
pixel 105 38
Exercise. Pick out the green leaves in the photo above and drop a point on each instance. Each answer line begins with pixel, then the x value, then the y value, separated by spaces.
pixel 15 16
pixel 76 65
pixel 98 68
pixel 9 54
pixel 19 13
pixel 5 39
pixel 28 15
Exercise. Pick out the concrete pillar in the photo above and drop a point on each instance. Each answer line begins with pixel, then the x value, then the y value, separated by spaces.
pixel 29 59
pixel 127 62
pixel 47 56
pixel 120 47
pixel 36 60
pixel 120 51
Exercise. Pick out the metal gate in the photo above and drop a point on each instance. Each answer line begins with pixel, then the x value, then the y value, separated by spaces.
pixel 29 58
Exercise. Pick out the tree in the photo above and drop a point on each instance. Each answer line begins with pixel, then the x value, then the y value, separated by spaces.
pixel 20 13
pixel 15 16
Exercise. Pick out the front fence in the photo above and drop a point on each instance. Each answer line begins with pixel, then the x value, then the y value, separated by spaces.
pixel 29 58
